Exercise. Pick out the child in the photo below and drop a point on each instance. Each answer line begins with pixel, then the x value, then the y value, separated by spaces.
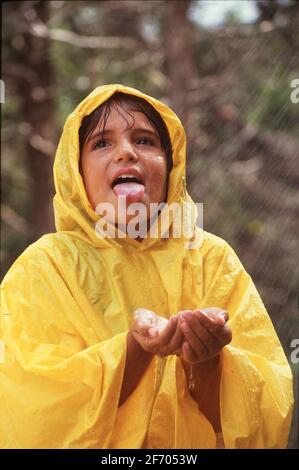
pixel 124 341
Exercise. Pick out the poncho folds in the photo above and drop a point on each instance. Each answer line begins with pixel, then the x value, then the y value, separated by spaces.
pixel 67 304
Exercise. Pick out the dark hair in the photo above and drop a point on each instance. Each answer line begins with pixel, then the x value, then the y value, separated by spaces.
pixel 125 102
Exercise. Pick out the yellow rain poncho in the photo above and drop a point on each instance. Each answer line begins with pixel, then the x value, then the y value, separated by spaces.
pixel 67 304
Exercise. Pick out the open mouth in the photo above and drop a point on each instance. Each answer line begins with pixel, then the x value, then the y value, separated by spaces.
pixel 126 179
pixel 129 186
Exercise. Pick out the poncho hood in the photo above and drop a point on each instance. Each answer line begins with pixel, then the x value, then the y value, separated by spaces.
pixel 73 211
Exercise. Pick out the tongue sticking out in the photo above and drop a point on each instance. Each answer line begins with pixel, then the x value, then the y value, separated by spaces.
pixel 132 191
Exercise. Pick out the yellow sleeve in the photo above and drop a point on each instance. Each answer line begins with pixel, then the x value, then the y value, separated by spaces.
pixel 56 391
pixel 256 395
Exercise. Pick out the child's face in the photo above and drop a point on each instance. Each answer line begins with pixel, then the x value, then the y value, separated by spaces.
pixel 135 148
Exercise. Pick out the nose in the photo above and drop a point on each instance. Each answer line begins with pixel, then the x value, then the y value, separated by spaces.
pixel 125 152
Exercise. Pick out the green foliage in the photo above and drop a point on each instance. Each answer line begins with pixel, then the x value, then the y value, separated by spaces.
pixel 242 79
pixel 273 109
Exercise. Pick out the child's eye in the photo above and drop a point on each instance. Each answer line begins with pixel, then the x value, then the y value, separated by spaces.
pixel 145 140
pixel 99 144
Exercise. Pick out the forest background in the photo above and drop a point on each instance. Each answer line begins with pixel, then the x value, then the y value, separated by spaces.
pixel 225 67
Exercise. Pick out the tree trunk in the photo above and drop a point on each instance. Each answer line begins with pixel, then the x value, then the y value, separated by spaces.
pixel 38 111
pixel 180 64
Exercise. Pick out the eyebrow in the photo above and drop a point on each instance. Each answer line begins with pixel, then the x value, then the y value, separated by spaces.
pixel 139 129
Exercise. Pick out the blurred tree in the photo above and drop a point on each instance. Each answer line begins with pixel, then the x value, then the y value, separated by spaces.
pixel 179 60
pixel 33 75
pixel 230 87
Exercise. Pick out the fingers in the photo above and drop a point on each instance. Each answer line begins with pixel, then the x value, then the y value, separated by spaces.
pixel 144 316
pixel 142 328
pixel 144 320
pixel 170 339
pixel 218 315
pixel 205 335
pixel 194 339
pixel 220 332
pixel 157 334
pixel 161 323
pixel 176 341
pixel 147 322
pixel 167 341
pixel 169 330
pixel 188 354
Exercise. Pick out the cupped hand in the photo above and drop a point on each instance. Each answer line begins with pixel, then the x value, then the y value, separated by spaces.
pixel 206 332
pixel 156 334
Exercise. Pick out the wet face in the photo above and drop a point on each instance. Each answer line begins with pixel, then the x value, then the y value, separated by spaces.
pixel 127 160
